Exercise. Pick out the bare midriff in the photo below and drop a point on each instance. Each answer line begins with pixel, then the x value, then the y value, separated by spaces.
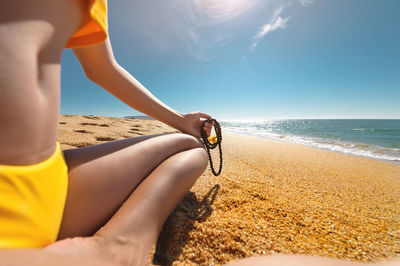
pixel 34 34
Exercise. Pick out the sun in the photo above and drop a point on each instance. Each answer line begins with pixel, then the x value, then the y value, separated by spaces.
pixel 225 9
pixel 231 5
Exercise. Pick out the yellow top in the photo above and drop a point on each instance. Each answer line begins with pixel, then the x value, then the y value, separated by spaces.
pixel 32 199
pixel 96 30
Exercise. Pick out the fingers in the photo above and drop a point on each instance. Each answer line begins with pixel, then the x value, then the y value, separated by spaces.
pixel 203 115
pixel 207 130
pixel 208 127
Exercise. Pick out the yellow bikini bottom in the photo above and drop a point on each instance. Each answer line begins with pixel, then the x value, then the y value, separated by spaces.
pixel 32 200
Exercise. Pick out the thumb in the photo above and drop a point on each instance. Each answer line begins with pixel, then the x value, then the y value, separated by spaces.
pixel 203 115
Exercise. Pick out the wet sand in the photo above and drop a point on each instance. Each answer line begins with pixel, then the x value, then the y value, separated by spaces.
pixel 272 197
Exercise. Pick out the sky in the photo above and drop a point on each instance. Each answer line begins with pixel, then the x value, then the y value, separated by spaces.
pixel 251 59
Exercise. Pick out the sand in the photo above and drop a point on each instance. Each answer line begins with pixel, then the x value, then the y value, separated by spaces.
pixel 272 197
pixel 77 131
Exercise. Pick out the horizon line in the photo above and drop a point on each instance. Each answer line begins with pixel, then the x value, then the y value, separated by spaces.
pixel 261 119
pixel 315 118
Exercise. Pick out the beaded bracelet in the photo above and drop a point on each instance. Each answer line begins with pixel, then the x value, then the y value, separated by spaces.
pixel 212 142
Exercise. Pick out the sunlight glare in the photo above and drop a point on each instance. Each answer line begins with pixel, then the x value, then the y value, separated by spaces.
pixel 221 10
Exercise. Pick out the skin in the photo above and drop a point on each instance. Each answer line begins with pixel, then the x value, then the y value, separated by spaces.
pixel 138 180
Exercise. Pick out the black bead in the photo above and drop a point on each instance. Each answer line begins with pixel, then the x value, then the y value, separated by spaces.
pixel 208 145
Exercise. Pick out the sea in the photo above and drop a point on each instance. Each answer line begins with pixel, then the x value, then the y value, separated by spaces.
pixel 373 138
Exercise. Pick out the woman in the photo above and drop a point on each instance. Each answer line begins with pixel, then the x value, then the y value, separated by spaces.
pixel 104 203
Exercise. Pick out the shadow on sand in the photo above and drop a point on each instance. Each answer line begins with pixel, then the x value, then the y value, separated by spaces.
pixel 175 233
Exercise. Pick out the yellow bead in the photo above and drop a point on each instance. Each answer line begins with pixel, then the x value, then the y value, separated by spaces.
pixel 212 139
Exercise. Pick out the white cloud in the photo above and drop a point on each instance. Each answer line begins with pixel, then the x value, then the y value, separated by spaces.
pixel 279 23
pixel 276 22
pixel 277 13
pixel 198 28
pixel 183 27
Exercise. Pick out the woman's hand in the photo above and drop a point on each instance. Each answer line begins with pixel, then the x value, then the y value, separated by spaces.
pixel 192 124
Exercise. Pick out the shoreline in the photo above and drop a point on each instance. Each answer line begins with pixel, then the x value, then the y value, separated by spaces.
pixel 396 162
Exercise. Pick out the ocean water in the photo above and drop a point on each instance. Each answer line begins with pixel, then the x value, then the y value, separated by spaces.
pixel 375 138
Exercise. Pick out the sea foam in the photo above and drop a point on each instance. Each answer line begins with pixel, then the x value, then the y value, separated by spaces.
pixel 378 139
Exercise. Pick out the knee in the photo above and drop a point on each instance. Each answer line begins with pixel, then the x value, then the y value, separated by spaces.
pixel 201 158
pixel 190 141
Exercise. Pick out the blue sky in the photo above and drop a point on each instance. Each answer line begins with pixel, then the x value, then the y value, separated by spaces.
pixel 251 59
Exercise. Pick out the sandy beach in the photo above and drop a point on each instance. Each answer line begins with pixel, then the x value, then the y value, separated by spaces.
pixel 272 197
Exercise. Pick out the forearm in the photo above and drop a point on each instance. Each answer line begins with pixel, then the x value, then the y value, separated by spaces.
pixel 100 66
pixel 130 91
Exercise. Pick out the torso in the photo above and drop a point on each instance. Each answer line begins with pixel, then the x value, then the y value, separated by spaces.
pixel 33 35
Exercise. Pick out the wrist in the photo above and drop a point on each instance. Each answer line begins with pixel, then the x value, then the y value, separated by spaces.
pixel 182 123
pixel 178 121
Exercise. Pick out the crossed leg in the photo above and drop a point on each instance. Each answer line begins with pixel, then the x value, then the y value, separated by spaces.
pixel 127 188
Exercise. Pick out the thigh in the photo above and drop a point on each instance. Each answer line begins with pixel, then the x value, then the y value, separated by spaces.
pixel 101 177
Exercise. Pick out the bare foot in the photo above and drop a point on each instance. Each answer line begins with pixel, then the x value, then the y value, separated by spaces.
pixel 116 252
pixel 76 247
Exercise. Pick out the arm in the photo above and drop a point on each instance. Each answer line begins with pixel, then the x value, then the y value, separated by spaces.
pixel 100 66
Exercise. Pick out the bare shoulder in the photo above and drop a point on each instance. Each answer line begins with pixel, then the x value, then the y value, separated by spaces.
pixel 40 21
pixel 97 60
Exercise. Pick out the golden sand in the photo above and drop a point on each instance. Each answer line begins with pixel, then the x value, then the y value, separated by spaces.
pixel 75 131
pixel 272 197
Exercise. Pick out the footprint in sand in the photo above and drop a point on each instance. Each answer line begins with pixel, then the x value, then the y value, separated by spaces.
pixel 62 123
pixel 78 145
pixel 91 117
pixel 88 124
pixel 136 133
pixel 83 131
pixel 104 139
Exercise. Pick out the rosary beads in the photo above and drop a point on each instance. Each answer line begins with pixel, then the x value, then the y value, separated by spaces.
pixel 212 142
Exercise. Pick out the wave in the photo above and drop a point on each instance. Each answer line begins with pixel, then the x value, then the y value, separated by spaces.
pixel 376 130
pixel 359 149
